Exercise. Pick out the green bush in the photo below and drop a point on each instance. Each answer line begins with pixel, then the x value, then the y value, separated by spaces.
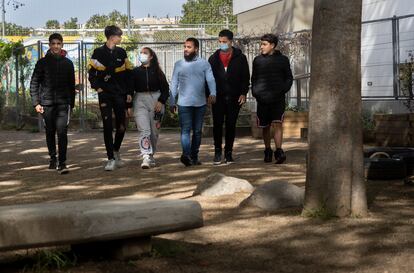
pixel 2 103
pixel 294 108
pixel 89 115
pixel 367 121
pixel 30 110
pixel 170 120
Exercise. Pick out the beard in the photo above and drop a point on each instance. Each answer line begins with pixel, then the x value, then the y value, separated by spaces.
pixel 190 57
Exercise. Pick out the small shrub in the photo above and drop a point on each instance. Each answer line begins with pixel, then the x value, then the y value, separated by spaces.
pixel 48 260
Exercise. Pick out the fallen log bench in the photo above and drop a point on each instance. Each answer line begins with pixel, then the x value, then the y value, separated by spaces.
pixel 123 226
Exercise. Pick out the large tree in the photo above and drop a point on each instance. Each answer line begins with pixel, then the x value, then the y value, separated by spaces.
pixel 13 29
pixel 335 179
pixel 52 24
pixel 72 23
pixel 208 12
pixel 113 18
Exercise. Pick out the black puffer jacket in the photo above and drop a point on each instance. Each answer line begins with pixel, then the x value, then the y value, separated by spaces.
pixel 145 79
pixel 236 80
pixel 271 77
pixel 109 69
pixel 53 81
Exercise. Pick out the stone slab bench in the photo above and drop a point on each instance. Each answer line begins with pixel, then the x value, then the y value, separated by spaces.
pixel 126 224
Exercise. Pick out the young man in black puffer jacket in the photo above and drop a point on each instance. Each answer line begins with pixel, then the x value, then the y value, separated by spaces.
pixel 109 73
pixel 271 80
pixel 231 72
pixel 52 89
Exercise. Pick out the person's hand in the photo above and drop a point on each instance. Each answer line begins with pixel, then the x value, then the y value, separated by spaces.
pixel 78 88
pixel 158 125
pixel 39 109
pixel 129 113
pixel 211 99
pixel 129 99
pixel 242 99
pixel 173 109
pixel 158 107
pixel 99 90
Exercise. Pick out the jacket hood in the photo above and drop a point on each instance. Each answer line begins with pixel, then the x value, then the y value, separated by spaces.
pixel 63 53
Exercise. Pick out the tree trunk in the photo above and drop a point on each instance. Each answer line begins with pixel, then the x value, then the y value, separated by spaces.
pixel 335 174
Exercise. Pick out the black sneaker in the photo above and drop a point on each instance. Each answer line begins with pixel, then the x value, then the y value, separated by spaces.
pixel 186 160
pixel 408 182
pixel 217 157
pixel 62 169
pixel 280 156
pixel 229 157
pixel 268 155
pixel 52 164
pixel 196 162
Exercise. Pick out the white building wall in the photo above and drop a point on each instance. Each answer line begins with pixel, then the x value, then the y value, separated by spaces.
pixel 240 6
pixel 377 47
pixel 380 9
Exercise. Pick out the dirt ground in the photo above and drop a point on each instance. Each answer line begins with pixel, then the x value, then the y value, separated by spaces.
pixel 232 240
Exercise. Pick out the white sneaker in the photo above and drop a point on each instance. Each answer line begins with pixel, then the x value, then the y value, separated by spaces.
pixel 152 161
pixel 146 162
pixel 110 165
pixel 118 160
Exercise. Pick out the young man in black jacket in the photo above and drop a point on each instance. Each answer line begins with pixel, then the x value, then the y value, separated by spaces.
pixel 271 80
pixel 231 71
pixel 52 89
pixel 109 71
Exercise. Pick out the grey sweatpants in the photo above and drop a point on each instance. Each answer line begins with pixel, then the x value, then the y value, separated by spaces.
pixel 144 104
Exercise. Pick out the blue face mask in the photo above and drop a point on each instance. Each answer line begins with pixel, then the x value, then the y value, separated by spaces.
pixel 143 58
pixel 224 47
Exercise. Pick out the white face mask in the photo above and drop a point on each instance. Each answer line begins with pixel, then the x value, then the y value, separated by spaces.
pixel 143 58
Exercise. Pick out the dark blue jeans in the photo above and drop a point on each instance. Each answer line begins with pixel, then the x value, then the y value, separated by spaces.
pixel 191 118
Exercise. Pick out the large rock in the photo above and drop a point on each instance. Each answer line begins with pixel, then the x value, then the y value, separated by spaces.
pixel 217 184
pixel 76 222
pixel 275 195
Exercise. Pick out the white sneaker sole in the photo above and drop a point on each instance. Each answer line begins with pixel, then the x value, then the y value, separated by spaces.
pixel 110 169
pixel 120 164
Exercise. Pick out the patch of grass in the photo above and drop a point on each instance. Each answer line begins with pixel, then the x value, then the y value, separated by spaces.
pixel 164 248
pixel 48 260
pixel 320 213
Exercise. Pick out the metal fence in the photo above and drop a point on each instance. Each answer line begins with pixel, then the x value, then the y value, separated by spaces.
pixel 386 49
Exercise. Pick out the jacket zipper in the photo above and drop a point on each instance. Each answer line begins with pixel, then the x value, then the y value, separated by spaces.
pixel 56 80
pixel 146 69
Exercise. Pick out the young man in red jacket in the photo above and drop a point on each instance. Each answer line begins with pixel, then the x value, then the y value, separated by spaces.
pixel 231 72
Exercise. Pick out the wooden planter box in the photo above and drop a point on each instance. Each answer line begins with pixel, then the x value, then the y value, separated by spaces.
pixel 369 136
pixel 394 129
pixel 293 125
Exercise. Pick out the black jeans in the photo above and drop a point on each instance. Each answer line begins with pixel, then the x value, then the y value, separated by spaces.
pixel 56 119
pixel 117 103
pixel 225 111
